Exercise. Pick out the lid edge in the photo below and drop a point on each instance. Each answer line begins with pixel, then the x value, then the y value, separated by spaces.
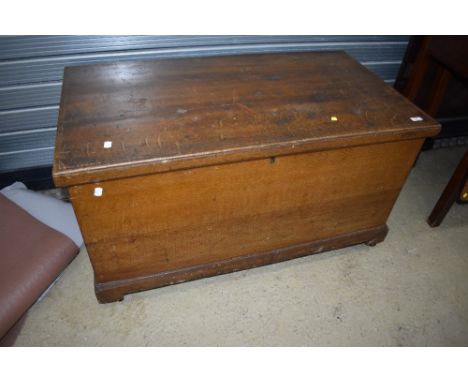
pixel 96 174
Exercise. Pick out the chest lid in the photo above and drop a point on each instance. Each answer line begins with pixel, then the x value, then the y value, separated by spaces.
pixel 133 118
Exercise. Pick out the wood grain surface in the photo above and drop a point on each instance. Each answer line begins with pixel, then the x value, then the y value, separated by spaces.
pixel 157 223
pixel 185 113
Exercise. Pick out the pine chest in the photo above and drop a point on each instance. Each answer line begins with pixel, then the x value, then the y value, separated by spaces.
pixel 185 168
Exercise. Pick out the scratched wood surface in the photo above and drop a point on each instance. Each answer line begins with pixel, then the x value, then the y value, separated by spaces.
pixel 183 113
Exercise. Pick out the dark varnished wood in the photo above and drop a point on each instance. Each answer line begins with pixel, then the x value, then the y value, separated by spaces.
pixel 450 56
pixel 225 163
pixel 452 52
pixel 454 189
pixel 183 113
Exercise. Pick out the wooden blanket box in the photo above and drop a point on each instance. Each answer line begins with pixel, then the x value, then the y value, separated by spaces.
pixel 185 168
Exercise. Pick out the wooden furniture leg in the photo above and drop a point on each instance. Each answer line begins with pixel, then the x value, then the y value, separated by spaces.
pixel 439 87
pixel 464 194
pixel 450 194
pixel 418 72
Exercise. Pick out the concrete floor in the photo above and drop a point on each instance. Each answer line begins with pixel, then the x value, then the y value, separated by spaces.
pixel 410 290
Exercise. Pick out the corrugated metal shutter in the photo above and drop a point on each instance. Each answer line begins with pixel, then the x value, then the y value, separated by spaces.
pixel 31 69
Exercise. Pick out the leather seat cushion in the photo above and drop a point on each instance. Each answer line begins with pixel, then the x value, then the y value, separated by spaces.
pixel 32 255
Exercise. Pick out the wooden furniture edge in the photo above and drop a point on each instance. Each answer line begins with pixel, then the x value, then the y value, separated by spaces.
pixel 450 194
pixel 115 290
pixel 66 178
